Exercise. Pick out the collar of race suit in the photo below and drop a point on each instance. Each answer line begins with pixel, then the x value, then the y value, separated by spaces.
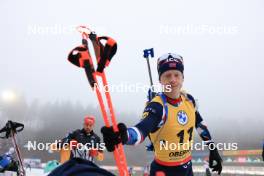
pixel 90 133
pixel 173 101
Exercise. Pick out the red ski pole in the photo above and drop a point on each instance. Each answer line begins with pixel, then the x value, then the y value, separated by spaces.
pixel 81 57
pixel 110 105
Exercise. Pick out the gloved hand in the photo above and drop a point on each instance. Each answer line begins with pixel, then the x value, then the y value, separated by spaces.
pixel 112 138
pixel 214 156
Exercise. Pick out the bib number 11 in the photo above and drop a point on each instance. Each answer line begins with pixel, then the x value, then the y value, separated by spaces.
pixel 182 133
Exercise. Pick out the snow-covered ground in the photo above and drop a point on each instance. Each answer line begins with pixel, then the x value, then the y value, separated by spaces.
pixel 35 172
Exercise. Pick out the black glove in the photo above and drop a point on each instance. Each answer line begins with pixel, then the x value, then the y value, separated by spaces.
pixel 214 156
pixel 112 138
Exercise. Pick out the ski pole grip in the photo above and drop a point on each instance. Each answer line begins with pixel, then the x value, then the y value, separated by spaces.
pixel 148 52
pixel 84 42
pixel 11 126
pixel 19 127
pixel 14 126
pixel 92 36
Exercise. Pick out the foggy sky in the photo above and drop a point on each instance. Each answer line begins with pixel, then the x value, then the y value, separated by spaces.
pixel 223 70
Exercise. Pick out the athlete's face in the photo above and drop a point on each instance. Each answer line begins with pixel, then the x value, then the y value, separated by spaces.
pixel 88 127
pixel 173 79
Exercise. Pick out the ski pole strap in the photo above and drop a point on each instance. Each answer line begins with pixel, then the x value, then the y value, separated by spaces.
pixel 107 50
pixel 9 127
pixel 81 57
pixel 80 54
